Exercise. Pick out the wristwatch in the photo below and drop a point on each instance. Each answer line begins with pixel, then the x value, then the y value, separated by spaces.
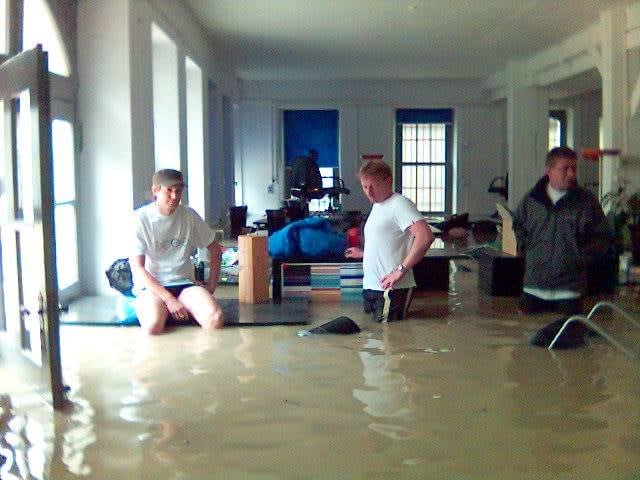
pixel 401 268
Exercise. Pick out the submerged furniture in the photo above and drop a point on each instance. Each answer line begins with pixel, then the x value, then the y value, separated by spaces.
pixel 499 274
pixel 335 278
pixel 606 335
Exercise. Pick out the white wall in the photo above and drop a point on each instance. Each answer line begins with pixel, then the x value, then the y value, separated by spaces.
pixel 481 155
pixel 257 143
pixel 105 166
pixel 367 125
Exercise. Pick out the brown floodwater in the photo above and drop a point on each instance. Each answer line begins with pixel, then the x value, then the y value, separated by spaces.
pixel 453 392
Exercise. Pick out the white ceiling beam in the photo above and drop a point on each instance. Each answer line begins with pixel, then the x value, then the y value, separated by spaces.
pixel 565 70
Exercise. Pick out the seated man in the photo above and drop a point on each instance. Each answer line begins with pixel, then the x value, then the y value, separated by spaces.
pixel 166 234
pixel 559 227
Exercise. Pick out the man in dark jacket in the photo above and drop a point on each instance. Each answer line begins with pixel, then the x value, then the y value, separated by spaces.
pixel 559 228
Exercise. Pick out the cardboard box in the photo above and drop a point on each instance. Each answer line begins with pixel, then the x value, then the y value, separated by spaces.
pixel 509 244
pixel 253 278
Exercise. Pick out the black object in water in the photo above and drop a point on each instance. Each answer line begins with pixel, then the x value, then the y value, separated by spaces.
pixel 573 336
pixel 340 325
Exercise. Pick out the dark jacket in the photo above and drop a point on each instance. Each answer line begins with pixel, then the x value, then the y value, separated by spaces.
pixel 559 240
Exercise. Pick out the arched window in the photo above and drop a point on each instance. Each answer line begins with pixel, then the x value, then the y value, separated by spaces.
pixel 40 27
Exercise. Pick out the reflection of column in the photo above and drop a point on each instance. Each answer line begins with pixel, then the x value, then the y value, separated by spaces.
pixel 79 434
pixel 28 444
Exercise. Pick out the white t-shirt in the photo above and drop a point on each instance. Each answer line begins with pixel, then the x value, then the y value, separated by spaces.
pixel 168 241
pixel 387 240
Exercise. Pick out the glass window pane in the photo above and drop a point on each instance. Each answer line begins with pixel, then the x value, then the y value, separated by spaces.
pixel 195 136
pixel 24 164
pixel 66 245
pixel 40 27
pixel 554 132
pixel 437 131
pixel 424 184
pixel 327 176
pixel 64 177
pixel 166 128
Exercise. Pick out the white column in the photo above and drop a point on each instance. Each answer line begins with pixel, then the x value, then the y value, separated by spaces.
pixel 614 92
pixel 527 131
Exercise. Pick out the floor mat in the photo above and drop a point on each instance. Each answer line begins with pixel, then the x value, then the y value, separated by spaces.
pixel 292 312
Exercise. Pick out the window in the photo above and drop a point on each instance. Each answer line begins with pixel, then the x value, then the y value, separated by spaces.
pixel 557 128
pixel 195 136
pixel 423 169
pixel 64 193
pixel 166 120
pixel 40 27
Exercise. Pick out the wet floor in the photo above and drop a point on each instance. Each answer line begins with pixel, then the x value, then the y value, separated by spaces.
pixel 454 392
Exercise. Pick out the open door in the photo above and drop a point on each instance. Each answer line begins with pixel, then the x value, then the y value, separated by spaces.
pixel 29 324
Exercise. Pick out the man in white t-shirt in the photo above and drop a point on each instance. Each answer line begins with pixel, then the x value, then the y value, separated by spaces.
pixel 165 236
pixel 396 237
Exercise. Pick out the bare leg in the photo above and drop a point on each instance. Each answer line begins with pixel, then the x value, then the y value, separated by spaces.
pixel 202 306
pixel 152 312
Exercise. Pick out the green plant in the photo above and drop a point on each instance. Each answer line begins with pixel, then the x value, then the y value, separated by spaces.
pixel 633 208
pixel 623 212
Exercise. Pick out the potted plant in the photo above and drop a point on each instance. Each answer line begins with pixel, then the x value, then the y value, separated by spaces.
pixel 633 224
pixel 624 217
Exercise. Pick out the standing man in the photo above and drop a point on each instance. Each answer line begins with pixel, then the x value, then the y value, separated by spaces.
pixel 559 227
pixel 396 237
pixel 166 234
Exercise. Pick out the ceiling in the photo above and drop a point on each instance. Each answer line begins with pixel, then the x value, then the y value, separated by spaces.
pixel 368 39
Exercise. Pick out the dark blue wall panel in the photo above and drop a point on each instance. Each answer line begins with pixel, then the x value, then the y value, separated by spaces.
pixel 306 129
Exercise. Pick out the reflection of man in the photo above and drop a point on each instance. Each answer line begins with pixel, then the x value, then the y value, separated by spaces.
pixel 558 226
pixel 396 238
pixel 166 234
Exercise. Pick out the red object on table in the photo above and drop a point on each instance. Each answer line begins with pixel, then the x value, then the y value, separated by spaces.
pixel 353 237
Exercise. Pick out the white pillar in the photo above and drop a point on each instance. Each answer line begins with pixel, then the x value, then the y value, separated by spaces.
pixel 614 92
pixel 527 131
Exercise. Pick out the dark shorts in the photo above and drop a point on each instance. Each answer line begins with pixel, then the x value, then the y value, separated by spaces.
pixel 387 306
pixel 532 304
pixel 176 290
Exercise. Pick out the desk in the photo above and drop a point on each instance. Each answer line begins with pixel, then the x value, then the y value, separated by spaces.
pixel 338 278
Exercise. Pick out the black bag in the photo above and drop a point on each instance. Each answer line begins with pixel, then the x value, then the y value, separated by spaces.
pixel 119 276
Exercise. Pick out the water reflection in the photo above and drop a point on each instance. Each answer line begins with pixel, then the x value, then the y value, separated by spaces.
pixel 26 442
pixel 559 394
pixel 78 436
pixel 387 393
